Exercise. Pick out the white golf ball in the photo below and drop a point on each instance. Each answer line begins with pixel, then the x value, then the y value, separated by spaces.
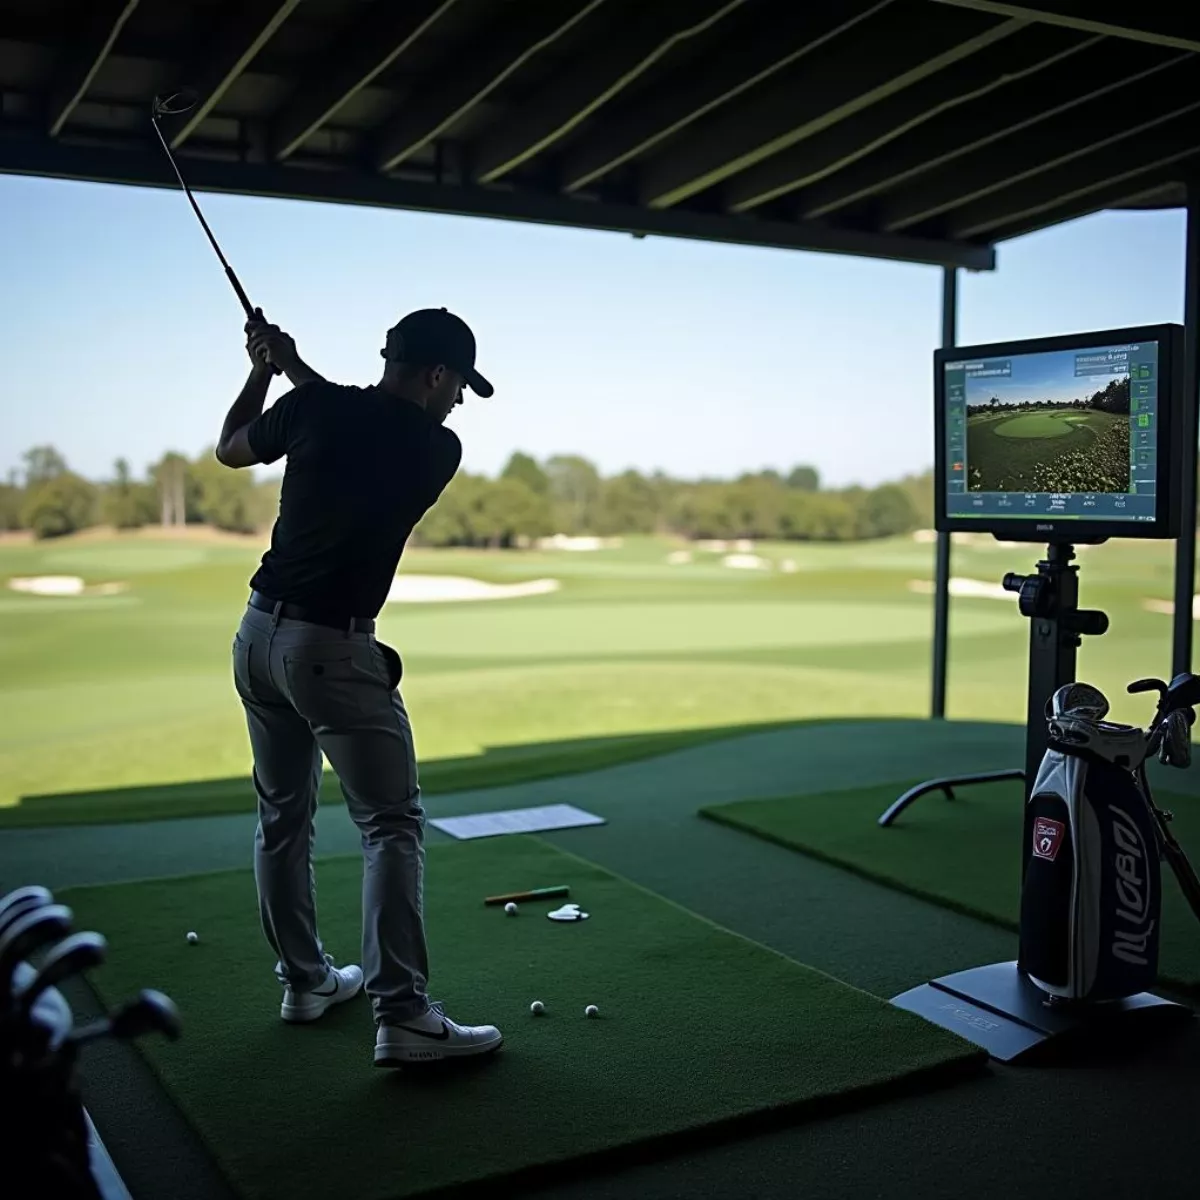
pixel 537 1008
pixel 193 937
pixel 591 1011
pixel 511 908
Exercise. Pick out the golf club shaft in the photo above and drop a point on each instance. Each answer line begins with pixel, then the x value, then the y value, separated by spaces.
pixel 249 309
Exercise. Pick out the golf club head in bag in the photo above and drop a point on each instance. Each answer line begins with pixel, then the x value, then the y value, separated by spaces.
pixel 1175 738
pixel 1078 700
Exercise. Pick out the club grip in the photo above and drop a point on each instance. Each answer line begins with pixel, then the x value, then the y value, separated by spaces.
pixel 251 312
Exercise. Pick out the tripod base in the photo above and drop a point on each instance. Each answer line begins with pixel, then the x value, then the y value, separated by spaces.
pixel 998 1009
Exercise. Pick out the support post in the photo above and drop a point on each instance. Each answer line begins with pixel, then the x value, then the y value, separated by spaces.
pixel 1185 547
pixel 941 578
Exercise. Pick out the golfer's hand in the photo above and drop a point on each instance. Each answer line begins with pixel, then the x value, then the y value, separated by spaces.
pixel 268 346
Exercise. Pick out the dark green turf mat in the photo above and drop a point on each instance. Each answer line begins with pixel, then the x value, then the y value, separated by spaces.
pixel 963 853
pixel 700 1029
pixel 499 766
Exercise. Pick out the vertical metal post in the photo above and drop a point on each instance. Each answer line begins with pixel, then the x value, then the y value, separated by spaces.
pixel 941 578
pixel 1185 547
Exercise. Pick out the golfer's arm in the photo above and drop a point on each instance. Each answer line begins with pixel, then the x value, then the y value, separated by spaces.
pixel 300 372
pixel 233 448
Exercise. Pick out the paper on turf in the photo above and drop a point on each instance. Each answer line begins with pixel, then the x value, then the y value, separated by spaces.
pixel 516 820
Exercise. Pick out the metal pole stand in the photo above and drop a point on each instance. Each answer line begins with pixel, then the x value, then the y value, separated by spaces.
pixel 1050 599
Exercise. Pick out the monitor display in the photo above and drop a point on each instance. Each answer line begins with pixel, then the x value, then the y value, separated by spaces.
pixel 1059 434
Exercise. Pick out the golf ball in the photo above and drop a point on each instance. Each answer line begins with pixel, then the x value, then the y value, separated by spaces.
pixel 511 909
pixel 537 1007
pixel 591 1011
pixel 193 937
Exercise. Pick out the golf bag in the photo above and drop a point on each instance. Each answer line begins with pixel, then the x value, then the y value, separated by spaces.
pixel 1092 891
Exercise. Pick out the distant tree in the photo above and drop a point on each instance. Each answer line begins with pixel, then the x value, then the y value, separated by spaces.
pixel 523 467
pixel 177 492
pixel 127 504
pixel 43 463
pixel 64 503
pixel 575 490
pixel 630 503
pixel 804 479
pixel 886 511
pixel 509 510
pixel 225 499
pixel 12 497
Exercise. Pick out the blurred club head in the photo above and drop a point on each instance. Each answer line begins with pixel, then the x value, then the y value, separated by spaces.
pixel 34 929
pixel 151 1012
pixel 80 952
pixel 23 900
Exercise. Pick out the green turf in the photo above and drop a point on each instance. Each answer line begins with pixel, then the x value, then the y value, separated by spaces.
pixel 963 853
pixel 698 1027
pixel 1034 425
pixel 1066 450
pixel 110 692
pixel 499 767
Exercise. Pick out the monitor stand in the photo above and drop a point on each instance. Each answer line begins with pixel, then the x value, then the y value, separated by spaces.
pixel 996 1006
pixel 1050 599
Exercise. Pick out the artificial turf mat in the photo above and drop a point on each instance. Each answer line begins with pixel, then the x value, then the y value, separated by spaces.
pixel 700 1030
pixel 963 853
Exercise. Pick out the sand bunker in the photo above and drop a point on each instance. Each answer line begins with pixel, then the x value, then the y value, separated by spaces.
pixel 63 585
pixel 975 589
pixel 440 589
pixel 746 562
pixel 1168 607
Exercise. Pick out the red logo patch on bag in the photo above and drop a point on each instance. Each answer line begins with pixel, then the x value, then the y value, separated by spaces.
pixel 1047 837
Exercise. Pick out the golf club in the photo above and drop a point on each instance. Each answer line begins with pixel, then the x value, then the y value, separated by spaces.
pixel 151 1012
pixel 34 929
pixel 15 909
pixel 175 104
pixel 79 952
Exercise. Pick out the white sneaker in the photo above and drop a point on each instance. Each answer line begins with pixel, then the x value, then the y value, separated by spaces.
pixel 431 1037
pixel 343 983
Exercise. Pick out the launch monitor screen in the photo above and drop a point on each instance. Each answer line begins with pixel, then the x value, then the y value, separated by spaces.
pixel 1065 435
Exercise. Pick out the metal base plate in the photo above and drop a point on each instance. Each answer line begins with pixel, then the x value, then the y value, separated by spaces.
pixel 998 1009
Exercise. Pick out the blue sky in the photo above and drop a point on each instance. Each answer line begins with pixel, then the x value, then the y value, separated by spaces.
pixel 119 334
pixel 1037 377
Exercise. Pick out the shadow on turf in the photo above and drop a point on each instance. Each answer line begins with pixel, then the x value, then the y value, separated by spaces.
pixel 497 766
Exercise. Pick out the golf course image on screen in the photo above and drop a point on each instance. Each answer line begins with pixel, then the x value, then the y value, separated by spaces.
pixel 1047 428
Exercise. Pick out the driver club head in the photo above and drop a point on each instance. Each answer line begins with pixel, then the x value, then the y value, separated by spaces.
pixel 80 952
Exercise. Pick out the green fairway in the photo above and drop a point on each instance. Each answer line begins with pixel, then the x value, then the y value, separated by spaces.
pixel 111 690
pixel 1034 425
pixel 1067 450
pixel 964 853
pixel 699 1028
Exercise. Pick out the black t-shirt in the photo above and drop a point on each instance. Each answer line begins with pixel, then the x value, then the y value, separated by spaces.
pixel 363 467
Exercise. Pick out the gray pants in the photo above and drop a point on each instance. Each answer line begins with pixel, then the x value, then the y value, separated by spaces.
pixel 309 689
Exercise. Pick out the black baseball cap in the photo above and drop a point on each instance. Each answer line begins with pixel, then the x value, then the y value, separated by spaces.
pixel 431 336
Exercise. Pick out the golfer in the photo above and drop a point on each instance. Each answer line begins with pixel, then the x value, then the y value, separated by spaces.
pixel 363 465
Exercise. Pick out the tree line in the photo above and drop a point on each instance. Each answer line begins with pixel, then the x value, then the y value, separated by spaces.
pixel 51 500
pixel 1112 398
pixel 565 494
